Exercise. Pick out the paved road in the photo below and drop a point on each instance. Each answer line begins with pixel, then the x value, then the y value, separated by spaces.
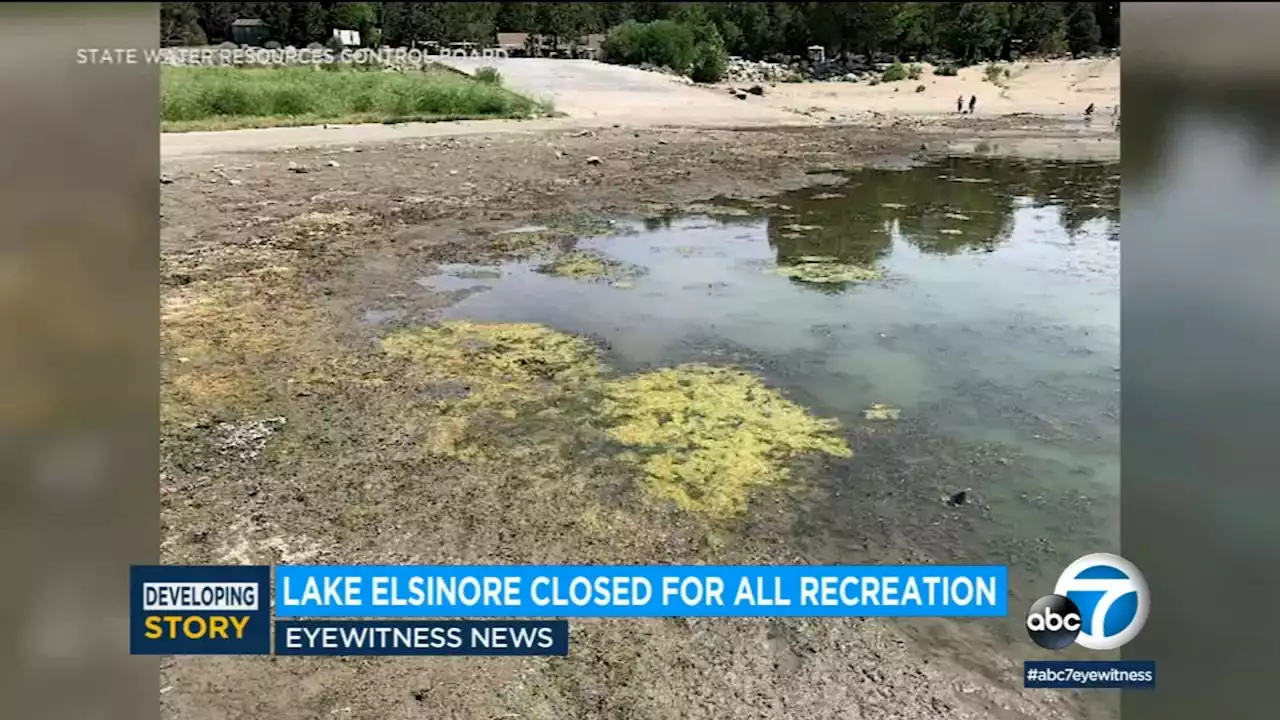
pixel 585 89
pixel 591 94
pixel 175 146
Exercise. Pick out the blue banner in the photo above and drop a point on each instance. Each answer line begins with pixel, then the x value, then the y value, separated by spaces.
pixel 1090 674
pixel 422 637
pixel 568 591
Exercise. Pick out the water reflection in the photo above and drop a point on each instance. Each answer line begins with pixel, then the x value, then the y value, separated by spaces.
pixel 961 205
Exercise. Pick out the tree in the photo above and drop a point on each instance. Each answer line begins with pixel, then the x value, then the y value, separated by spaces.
pixel 517 16
pixel 216 19
pixel 1083 33
pixel 180 24
pixel 559 21
pixel 277 16
pixel 313 24
pixel 971 31
pixel 869 26
pixel 791 27
pixel 359 16
pixel 915 28
pixel 1040 26
pixel 710 61
pixel 755 28
pixel 650 11
pixel 398 23
pixel 609 14
pixel 865 27
pixel 453 21
pixel 692 14
pixel 1108 17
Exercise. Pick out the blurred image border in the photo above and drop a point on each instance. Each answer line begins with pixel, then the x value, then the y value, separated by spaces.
pixel 79 365
pixel 1200 358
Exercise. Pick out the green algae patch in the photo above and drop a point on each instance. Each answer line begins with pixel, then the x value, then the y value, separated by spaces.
pixel 708 436
pixel 827 271
pixel 525 245
pixel 589 265
pixel 481 382
pixel 499 352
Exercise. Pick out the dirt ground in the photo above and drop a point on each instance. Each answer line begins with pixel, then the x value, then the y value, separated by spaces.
pixel 292 435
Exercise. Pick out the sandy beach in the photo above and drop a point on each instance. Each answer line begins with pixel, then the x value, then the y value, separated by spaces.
pixel 1054 88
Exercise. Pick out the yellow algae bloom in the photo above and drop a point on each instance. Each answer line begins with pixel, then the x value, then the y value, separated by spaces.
pixel 495 352
pixel 707 436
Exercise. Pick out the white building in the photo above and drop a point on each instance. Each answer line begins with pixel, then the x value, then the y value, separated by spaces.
pixel 348 38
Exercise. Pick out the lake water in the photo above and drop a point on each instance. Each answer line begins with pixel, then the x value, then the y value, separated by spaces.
pixel 995 331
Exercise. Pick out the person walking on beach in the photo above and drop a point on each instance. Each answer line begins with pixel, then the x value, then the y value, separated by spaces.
pixel 960 104
pixel 973 102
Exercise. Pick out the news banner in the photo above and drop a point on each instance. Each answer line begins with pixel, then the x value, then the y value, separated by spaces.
pixel 511 609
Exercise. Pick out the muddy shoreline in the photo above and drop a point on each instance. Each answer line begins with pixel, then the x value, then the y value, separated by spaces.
pixel 289 437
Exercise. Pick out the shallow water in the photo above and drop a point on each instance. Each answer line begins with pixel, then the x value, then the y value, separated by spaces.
pixel 995 331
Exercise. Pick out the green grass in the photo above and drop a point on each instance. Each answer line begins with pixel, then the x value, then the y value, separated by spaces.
pixel 489 76
pixel 230 98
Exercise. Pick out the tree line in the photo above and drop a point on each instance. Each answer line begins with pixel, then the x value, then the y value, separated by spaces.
pixel 966 32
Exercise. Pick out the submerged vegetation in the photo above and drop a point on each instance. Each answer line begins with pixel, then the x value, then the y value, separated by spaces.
pixel 589 265
pixel 823 270
pixel 880 411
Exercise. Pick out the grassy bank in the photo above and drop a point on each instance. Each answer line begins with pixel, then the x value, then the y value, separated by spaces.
pixel 229 98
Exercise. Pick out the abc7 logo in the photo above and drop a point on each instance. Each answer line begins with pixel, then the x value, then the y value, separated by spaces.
pixel 1116 598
